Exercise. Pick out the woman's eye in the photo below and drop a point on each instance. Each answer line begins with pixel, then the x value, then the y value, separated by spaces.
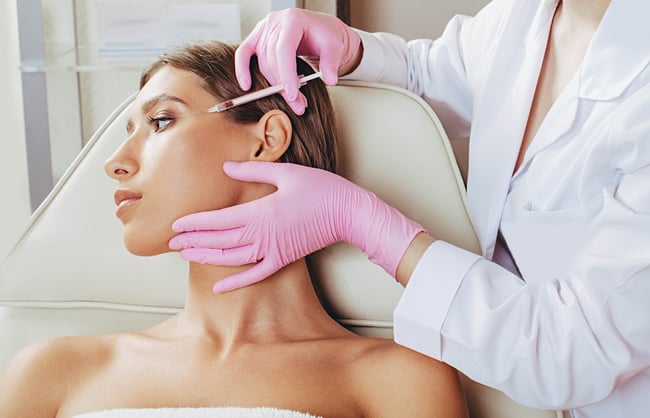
pixel 160 122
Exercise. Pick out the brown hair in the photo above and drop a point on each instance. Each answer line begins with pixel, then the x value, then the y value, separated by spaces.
pixel 314 133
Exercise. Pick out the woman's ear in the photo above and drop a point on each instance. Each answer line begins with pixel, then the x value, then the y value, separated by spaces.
pixel 274 133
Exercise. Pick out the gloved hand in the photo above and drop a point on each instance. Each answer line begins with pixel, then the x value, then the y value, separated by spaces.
pixel 310 210
pixel 285 34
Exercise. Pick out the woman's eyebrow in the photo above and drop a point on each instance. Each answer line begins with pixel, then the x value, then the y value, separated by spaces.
pixel 149 104
pixel 146 106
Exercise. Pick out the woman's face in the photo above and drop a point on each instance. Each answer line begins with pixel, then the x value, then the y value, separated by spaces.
pixel 171 162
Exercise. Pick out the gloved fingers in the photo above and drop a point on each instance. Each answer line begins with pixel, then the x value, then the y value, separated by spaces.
pixel 239 256
pixel 256 273
pixel 243 55
pixel 298 105
pixel 284 61
pixel 279 70
pixel 216 220
pixel 228 238
pixel 266 59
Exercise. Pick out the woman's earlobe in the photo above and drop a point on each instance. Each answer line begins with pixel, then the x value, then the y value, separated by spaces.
pixel 275 135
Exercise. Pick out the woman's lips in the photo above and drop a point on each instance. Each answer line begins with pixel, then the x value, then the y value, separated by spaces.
pixel 125 199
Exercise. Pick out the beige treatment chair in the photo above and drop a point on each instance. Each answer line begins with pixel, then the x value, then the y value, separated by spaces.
pixel 70 273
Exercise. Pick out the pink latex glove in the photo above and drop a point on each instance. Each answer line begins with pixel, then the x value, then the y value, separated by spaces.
pixel 310 210
pixel 285 34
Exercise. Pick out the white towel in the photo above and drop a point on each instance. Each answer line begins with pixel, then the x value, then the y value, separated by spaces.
pixel 229 412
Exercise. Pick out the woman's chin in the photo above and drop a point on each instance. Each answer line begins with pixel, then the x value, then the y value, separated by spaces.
pixel 144 249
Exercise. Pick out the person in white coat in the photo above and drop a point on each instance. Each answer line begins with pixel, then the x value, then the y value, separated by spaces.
pixel 555 98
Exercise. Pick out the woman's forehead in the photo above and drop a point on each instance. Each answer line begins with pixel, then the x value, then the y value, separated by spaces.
pixel 172 81
pixel 173 85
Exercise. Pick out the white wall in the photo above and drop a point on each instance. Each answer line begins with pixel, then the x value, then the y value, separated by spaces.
pixel 14 195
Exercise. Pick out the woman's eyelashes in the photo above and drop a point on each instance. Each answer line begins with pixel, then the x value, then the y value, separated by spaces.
pixel 160 122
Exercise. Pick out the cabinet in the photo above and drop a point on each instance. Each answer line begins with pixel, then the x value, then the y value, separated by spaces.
pixel 70 87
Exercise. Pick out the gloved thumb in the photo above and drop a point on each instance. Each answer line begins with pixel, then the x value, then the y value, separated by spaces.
pixel 252 171
pixel 252 275
pixel 329 66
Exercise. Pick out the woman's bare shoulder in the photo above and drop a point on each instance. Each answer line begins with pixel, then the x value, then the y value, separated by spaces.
pixel 402 382
pixel 36 380
pixel 69 354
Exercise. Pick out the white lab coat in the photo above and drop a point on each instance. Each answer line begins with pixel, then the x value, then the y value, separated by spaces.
pixel 575 332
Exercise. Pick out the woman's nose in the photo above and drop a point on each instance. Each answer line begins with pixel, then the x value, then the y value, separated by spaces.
pixel 120 165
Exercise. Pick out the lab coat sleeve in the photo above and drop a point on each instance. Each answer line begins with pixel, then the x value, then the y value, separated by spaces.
pixel 559 343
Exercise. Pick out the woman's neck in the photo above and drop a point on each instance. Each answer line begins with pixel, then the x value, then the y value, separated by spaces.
pixel 282 307
pixel 574 25
pixel 583 12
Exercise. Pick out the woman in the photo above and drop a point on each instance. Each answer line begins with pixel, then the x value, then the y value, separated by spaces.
pixel 554 96
pixel 271 345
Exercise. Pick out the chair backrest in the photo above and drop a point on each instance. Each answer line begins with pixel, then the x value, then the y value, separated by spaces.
pixel 70 273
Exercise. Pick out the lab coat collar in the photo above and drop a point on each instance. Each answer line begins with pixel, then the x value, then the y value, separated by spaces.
pixel 615 57
pixel 488 182
pixel 541 23
pixel 618 52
